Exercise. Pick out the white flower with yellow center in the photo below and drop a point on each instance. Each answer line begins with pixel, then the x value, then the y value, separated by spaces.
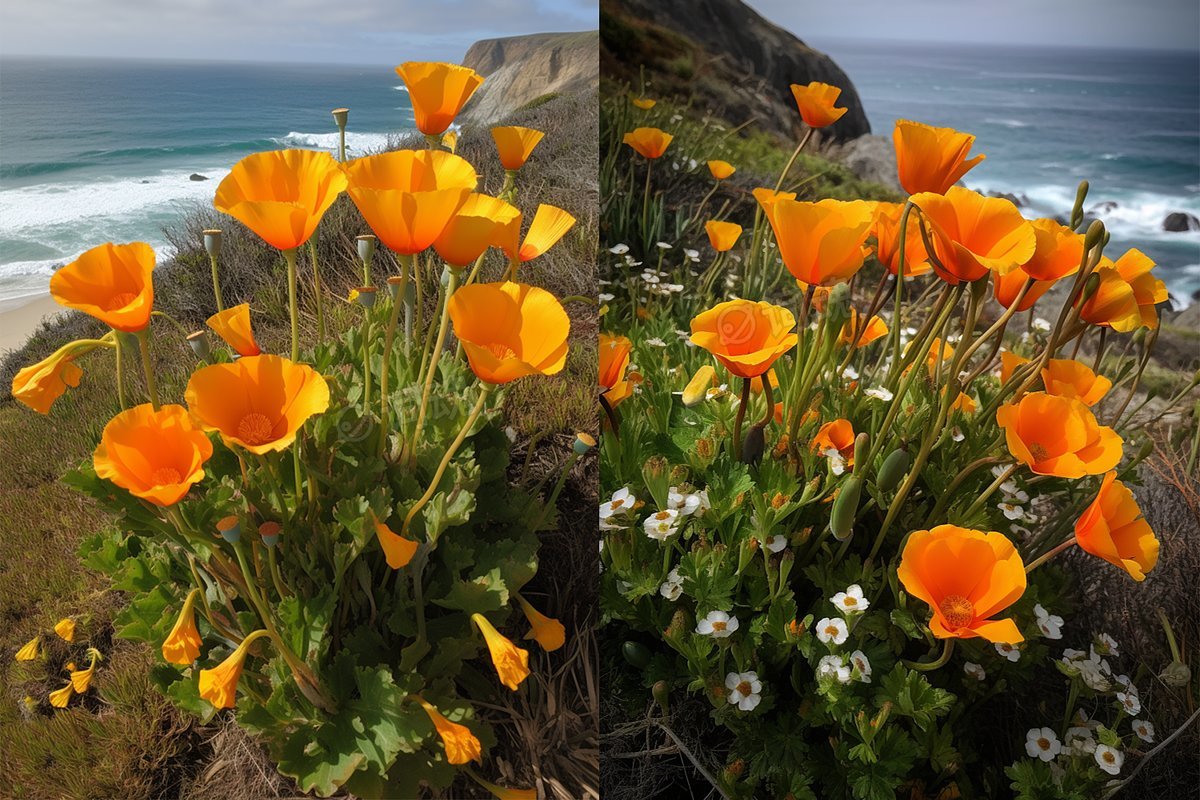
pixel 717 624
pixel 833 667
pixel 851 601
pixel 619 505
pixel 1009 651
pixel 744 690
pixel 1144 730
pixel 974 670
pixel 1042 743
pixel 1080 741
pixel 1130 702
pixel 1110 759
pixel 861 666
pixel 662 524
pixel 832 630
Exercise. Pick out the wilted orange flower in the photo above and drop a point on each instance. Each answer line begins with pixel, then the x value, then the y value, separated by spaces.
pixel 614 360
pixel 1069 378
pixel 767 198
pixel 111 283
pixel 821 242
pixel 931 159
pixel 65 628
pixel 1127 295
pixel 875 328
pixel 547 631
pixel 1058 436
pixel 815 102
pixel 233 325
pixel 29 651
pixel 511 662
pixel 182 645
pixel 722 235
pixel 281 195
pixel 649 142
pixel 437 91
pixel 510 330
pixel 482 222
pixel 1114 529
pixel 697 387
pixel 549 225
pixel 644 103
pixel 837 435
pixel 396 549
pixel 61 697
pixel 219 684
pixel 515 144
pixel 973 234
pixel 721 169
pixel 408 196
pixel 746 337
pixel 258 402
pixel 1009 361
pixel 1007 288
pixel 155 455
pixel 40 384
pixel 966 577
pixel 461 745
pixel 81 679
pixel 887 241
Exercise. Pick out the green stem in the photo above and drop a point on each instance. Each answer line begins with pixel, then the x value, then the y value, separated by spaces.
pixel 118 353
pixel 1044 557
pixel 795 154
pixel 921 666
pixel 562 479
pixel 290 256
pixel 312 252
pixel 646 209
pixel 148 366
pixel 741 416
pixel 988 492
pixel 212 259
pixel 386 368
pixel 435 356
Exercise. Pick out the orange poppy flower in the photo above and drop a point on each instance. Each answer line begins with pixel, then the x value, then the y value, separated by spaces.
pixel 1128 294
pixel 815 102
pixel 767 198
pixel 614 360
pixel 547 631
pixel 281 195
pixel 721 169
pixel 182 645
pixel 931 159
pixel 1009 361
pixel 437 91
pixel 40 384
pixel 886 231
pixel 1007 288
pixel 511 662
pixel 510 330
pixel 1058 436
pixel 111 283
pixel 875 328
pixel 396 549
pixel 837 435
pixel 482 221
pixel 549 225
pixel 408 196
pixel 821 243
pixel 1114 529
pixel 462 747
pixel 964 403
pixel 722 235
pixel 155 455
pixel 1057 253
pixel 644 103
pixel 515 144
pixel 938 351
pixel 219 684
pixel 756 383
pixel 1068 378
pixel 966 577
pixel 258 402
pixel 649 142
pixel 233 325
pixel 746 337
pixel 973 234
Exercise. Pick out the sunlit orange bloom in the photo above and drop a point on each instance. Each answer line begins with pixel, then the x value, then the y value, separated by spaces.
pixel 437 91
pixel 964 403
pixel 746 337
pixel 408 196
pixel 281 195
pixel 1114 529
pixel 510 330
pixel 1009 361
pixel 233 325
pixel 396 549
pixel 1007 288
pixel 40 384
pixel 155 455
pixel 219 684
pixel 721 169
pixel 547 631
pixel 821 242
pixel 1127 295
pixel 931 159
pixel 820 295
pixel 815 102
pixel 111 283
pixel 644 103
pixel 65 628
pixel 973 234
pixel 837 435
pixel 511 662
pixel 549 225
pixel 1058 251
pixel 966 577
pixel 461 745
pixel 182 645
pixel 482 222
pixel 1069 378
pixel 615 387
pixel 259 402
pixel 722 235
pixel 1058 436
pixel 875 328
pixel 887 241
pixel 61 697
pixel 649 142
pixel 515 144
pixel 767 198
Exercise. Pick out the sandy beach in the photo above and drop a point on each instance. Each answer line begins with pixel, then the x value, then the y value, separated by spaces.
pixel 22 316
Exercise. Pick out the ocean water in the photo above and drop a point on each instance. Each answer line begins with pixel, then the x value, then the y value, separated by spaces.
pixel 1127 121
pixel 101 150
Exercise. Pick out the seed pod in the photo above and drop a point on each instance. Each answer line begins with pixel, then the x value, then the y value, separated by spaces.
pixel 636 654
pixel 661 693
pixel 841 518
pixel 752 447
pixel 860 451
pixel 892 470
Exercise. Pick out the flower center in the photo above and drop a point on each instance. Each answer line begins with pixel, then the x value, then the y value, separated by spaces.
pixel 831 630
pixel 120 301
pixel 165 476
pixel 254 428
pixel 719 626
pixel 744 688
pixel 958 610
pixel 1043 743
pixel 615 504
pixel 1038 452
pixel 850 602
pixel 501 351
pixel 1109 757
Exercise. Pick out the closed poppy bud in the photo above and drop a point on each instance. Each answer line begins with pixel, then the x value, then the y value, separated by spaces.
pixel 198 341
pixel 1069 378
pixel 61 697
pixel 931 159
pixel 746 337
pixel 697 388
pixel 816 103
pixel 722 235
pixel 822 243
pixel 212 242
pixel 65 628
pixel 462 747
pixel 182 645
pixel 230 529
pixel 1058 436
pixel 510 330
pixel 649 142
pixel 973 234
pixel 155 455
pixel 511 662
pixel 1113 528
pixel 396 549
pixel 111 283
pixel 515 144
pixel 549 225
pixel 39 385
pixel 233 325
pixel 966 577
pixel 721 169
pixel 269 531
pixel 366 245
pixel 583 443
pixel 30 650
pixel 219 684
pixel 437 91
pixel 886 230
pixel 548 632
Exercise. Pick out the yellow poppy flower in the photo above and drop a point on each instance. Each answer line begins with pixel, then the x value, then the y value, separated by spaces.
pixel 155 455
pixel 644 103
pixel 886 231
pixel 111 283
pixel 510 330
pixel 482 222
pixel 39 385
pixel 65 628
pixel 1127 296
pixel 219 684
pixel 396 549
pixel 973 234
pixel 511 662
pixel 549 225
pixel 1058 436
pixel 547 631
pixel 722 235
pixel 1113 528
pixel 437 91
pixel 822 243
pixel 614 361
pixel 61 697
pixel 746 337
pixel 697 388
pixel 721 169
pixel 515 144
pixel 1068 378
pixel 30 650
pixel 233 325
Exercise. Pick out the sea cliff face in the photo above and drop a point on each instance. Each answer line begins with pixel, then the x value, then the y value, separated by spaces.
pixel 520 70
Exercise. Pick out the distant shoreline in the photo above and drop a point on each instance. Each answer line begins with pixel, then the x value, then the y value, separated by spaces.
pixel 20 317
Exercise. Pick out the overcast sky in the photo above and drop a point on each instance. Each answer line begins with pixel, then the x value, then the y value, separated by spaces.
pixel 349 31
pixel 1157 24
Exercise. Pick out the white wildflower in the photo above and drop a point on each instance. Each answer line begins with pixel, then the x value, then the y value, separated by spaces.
pixel 832 630
pixel 744 689
pixel 1144 730
pixel 662 524
pixel 833 667
pixel 1109 758
pixel 717 624
pixel 974 670
pixel 851 600
pixel 1042 743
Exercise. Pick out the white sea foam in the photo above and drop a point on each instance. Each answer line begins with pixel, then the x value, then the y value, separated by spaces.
pixel 356 143
pixel 1008 123
pixel 401 88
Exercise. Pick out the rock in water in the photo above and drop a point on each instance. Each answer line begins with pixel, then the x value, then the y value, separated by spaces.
pixel 1180 221
pixel 870 158
pixel 196 176
pixel 1100 209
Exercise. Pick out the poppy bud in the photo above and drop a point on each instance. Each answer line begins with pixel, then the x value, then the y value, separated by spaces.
pixel 1095 233
pixel 269 531
pixel 1077 209
pixel 845 507
pixel 340 115
pixel 583 443
pixel 661 694
pixel 860 450
pixel 366 296
pixel 752 447
pixel 636 654
pixel 892 470
pixel 837 308
pixel 1176 674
